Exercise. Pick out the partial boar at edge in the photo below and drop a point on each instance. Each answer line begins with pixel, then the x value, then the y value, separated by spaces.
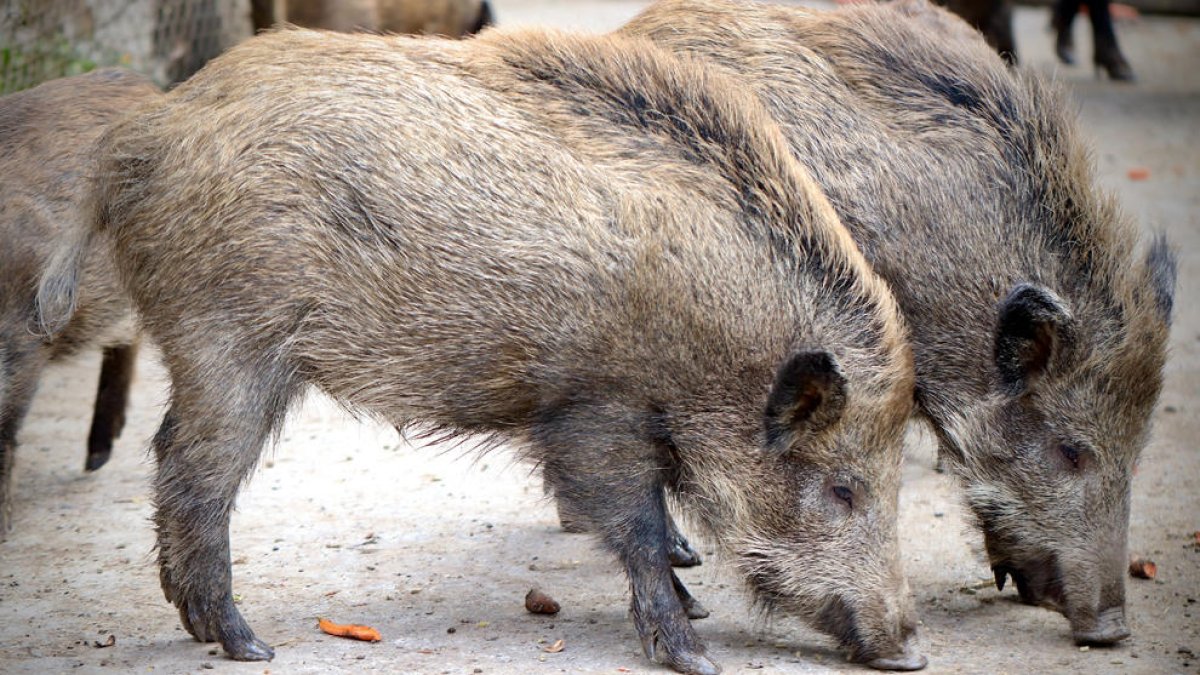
pixel 47 158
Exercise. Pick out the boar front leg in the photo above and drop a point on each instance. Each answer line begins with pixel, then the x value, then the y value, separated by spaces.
pixel 620 493
pixel 679 548
pixel 112 397
pixel 207 445
pixel 659 612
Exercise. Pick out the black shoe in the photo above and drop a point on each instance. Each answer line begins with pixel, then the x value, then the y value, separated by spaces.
pixel 1113 62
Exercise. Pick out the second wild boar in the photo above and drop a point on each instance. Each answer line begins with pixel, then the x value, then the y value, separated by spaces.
pixel 1039 324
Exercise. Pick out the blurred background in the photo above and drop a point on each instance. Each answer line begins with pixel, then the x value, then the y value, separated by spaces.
pixel 171 39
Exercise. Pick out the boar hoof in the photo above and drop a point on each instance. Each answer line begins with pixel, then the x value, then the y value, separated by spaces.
pixel 906 662
pixel 97 457
pixel 227 627
pixel 249 650
pixel 682 652
pixel 681 553
pixel 681 661
pixel 1110 629
pixel 692 664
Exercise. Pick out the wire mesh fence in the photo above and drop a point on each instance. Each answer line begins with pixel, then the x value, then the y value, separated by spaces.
pixel 165 39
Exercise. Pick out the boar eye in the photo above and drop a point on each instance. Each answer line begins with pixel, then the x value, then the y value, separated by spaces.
pixel 845 494
pixel 1070 453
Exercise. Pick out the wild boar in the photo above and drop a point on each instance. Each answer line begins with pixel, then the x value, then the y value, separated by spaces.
pixel 47 143
pixel 584 245
pixel 1039 325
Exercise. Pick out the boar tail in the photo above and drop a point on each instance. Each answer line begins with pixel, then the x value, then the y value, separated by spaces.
pixel 58 288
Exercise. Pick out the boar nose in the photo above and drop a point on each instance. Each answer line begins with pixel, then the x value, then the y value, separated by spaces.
pixel 1109 629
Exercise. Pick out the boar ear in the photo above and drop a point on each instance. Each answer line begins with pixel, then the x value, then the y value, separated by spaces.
pixel 1033 326
pixel 809 394
pixel 1160 266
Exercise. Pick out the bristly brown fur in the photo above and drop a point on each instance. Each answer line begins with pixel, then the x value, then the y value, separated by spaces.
pixel 968 188
pixel 586 245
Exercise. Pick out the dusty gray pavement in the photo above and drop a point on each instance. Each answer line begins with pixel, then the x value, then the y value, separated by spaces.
pixel 436 548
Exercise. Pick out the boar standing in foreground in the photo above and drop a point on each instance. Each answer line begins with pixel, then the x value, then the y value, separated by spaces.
pixel 583 245
pixel 47 156
pixel 1039 327
pixel 449 18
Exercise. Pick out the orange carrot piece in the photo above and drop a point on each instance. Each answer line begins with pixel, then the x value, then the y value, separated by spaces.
pixel 364 633
pixel 1142 568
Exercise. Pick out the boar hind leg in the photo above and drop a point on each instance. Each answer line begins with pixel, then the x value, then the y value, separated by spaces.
pixel 116 375
pixel 569 520
pixel 207 445
pixel 691 605
pixel 19 373
pixel 7 450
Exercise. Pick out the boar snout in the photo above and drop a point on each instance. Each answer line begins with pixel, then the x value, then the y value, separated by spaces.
pixel 909 659
pixel 1042 583
pixel 874 643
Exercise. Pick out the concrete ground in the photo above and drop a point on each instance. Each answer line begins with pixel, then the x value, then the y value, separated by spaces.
pixel 436 548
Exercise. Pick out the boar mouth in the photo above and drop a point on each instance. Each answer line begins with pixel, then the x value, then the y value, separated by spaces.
pixel 1041 583
pixel 1038 582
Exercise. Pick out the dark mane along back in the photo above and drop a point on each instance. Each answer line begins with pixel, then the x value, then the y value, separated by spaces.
pixel 616 82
